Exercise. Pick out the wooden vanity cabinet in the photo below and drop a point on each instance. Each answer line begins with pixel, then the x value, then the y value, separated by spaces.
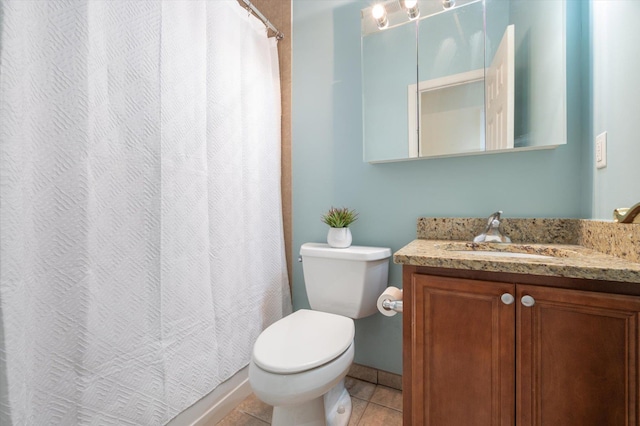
pixel 475 355
pixel 577 358
pixel 462 336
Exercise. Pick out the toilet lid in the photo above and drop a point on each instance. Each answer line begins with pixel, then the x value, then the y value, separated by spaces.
pixel 302 341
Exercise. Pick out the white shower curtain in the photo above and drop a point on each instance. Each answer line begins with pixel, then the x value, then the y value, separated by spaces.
pixel 141 248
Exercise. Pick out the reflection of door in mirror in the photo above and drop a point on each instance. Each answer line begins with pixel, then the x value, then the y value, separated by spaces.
pixel 500 94
pixel 542 29
pixel 450 111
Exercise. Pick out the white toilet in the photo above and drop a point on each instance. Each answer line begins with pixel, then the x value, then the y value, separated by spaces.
pixel 299 363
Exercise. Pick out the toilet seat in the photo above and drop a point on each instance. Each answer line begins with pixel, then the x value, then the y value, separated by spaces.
pixel 302 341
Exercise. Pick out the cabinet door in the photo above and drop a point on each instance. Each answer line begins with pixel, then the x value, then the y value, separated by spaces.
pixel 577 358
pixel 462 351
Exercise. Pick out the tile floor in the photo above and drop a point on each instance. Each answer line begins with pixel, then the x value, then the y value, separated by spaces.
pixel 373 405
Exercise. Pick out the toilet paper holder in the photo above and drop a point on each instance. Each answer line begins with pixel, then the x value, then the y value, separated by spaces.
pixel 390 301
pixel 392 305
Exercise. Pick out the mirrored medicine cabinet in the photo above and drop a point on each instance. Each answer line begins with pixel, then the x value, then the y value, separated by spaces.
pixel 464 77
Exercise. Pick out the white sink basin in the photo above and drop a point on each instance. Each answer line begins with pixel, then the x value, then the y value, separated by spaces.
pixel 513 251
pixel 501 254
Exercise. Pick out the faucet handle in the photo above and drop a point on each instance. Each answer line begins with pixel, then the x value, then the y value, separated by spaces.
pixel 493 216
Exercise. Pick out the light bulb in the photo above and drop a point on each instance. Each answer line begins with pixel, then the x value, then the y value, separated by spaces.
pixel 378 11
pixel 448 4
pixel 411 6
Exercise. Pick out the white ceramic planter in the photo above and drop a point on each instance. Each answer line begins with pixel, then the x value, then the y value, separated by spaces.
pixel 339 237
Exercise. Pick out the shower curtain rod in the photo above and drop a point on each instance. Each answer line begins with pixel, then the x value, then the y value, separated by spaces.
pixel 279 35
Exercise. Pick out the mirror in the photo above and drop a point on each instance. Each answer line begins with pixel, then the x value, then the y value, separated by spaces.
pixel 540 34
pixel 477 77
pixel 450 101
pixel 389 67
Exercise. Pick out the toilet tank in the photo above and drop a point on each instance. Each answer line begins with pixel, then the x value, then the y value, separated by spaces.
pixel 345 281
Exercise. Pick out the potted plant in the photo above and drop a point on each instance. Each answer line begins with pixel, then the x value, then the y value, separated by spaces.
pixel 339 235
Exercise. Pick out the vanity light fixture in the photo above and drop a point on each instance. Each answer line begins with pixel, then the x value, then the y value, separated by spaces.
pixel 379 13
pixel 411 6
pixel 448 4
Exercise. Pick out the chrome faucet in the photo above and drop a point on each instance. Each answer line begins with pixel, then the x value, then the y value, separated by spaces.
pixel 492 217
pixel 491 233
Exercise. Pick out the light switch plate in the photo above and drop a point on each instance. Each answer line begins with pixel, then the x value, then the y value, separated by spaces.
pixel 601 150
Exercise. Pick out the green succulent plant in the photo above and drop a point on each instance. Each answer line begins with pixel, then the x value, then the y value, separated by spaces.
pixel 340 218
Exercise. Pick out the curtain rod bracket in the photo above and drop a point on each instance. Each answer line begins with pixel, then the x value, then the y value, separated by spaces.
pixel 251 8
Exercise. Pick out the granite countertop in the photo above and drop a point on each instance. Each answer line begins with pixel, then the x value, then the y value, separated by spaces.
pixel 567 249
pixel 567 260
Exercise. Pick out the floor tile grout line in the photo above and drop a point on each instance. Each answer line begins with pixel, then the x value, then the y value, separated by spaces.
pixel 385 406
pixel 366 405
pixel 255 417
pixel 258 418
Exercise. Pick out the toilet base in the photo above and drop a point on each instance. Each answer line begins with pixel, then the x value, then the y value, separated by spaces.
pixel 330 409
pixel 337 403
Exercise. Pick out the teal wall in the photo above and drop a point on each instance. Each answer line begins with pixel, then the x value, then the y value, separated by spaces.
pixel 328 168
pixel 616 103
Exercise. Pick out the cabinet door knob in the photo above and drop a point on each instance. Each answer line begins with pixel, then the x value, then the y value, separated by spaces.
pixel 528 301
pixel 507 299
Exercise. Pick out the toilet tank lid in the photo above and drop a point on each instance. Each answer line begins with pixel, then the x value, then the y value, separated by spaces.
pixel 349 253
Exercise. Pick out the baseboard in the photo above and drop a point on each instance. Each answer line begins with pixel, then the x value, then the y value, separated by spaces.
pixel 375 376
pixel 214 406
